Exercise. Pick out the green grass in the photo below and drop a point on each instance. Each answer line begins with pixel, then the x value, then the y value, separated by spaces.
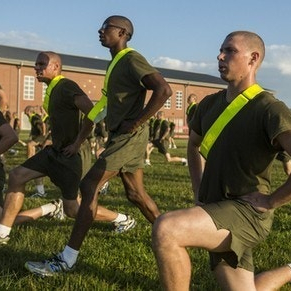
pixel 110 261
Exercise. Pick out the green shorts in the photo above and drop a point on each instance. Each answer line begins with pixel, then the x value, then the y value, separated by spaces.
pixel 247 226
pixel 64 172
pixel 162 146
pixel 125 152
pixel 86 156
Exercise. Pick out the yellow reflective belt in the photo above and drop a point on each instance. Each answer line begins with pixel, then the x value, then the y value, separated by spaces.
pixel 49 89
pixel 99 111
pixel 225 117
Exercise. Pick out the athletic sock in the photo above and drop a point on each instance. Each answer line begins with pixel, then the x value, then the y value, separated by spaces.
pixel 4 230
pixel 70 256
pixel 120 217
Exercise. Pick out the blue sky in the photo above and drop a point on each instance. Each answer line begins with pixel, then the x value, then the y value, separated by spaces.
pixel 183 35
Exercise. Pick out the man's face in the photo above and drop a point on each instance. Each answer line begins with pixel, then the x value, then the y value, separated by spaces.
pixel 234 59
pixel 43 68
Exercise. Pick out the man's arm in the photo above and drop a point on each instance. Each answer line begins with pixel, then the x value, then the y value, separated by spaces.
pixel 195 163
pixel 281 195
pixel 85 105
pixel 161 92
pixel 3 100
pixel 8 138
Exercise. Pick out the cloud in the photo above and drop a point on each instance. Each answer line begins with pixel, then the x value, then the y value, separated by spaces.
pixel 24 39
pixel 190 66
pixel 278 57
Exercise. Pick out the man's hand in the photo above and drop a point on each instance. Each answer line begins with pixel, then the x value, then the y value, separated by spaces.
pixel 258 200
pixel 70 150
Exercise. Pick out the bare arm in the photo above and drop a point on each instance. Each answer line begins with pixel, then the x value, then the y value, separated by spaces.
pixel 281 195
pixel 161 92
pixel 8 138
pixel 3 100
pixel 85 105
pixel 195 163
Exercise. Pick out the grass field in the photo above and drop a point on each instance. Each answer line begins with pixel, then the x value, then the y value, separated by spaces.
pixel 110 261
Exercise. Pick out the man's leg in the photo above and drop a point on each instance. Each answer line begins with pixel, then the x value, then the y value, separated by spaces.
pixel 173 233
pixel 15 197
pixel 134 188
pixel 89 187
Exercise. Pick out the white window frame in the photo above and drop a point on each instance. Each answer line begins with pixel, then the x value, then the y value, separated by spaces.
pixel 168 103
pixel 28 87
pixel 179 100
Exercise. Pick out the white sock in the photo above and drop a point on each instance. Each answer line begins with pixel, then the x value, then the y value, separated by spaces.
pixel 48 208
pixel 4 230
pixel 40 188
pixel 120 217
pixel 183 160
pixel 70 256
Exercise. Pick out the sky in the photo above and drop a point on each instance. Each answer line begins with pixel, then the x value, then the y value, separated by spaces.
pixel 183 35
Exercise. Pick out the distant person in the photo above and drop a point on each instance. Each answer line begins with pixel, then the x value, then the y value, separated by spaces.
pixel 101 137
pixel 234 201
pixel 161 135
pixel 192 104
pixel 17 128
pixel 130 78
pixel 36 138
pixel 3 100
pixel 172 144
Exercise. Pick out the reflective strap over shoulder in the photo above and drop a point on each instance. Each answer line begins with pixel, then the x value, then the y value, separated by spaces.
pixel 226 116
pixel 99 111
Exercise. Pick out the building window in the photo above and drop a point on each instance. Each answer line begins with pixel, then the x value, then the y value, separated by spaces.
pixel 44 86
pixel 167 104
pixel 179 98
pixel 28 91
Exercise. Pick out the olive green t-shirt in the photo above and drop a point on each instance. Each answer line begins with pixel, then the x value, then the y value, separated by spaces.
pixel 125 91
pixel 64 116
pixel 240 160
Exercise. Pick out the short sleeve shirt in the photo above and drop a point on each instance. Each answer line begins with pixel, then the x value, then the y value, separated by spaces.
pixel 125 91
pixel 240 160
pixel 64 115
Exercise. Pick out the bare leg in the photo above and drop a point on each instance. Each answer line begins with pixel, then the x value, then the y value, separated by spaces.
pixel 133 184
pixel 89 187
pixel 173 232
pixel 273 279
pixel 15 196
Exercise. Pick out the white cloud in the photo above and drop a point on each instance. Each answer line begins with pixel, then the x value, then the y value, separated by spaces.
pixel 24 39
pixel 278 57
pixel 175 64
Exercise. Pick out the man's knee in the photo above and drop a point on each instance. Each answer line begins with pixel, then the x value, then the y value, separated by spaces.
pixel 161 232
pixel 71 208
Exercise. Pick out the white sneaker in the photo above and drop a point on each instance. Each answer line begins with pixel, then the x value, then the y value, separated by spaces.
pixel 124 225
pixel 104 189
pixel 59 211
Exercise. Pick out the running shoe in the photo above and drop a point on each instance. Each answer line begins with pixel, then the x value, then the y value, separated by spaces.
pixel 59 211
pixel 38 195
pixel 124 225
pixel 4 240
pixel 104 189
pixel 50 267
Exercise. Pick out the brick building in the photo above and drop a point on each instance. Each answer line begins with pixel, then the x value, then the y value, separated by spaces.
pixel 17 77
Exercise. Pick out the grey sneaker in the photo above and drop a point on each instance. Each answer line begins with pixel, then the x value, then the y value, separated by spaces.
pixel 4 240
pixel 38 195
pixel 104 189
pixel 59 212
pixel 48 268
pixel 124 225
